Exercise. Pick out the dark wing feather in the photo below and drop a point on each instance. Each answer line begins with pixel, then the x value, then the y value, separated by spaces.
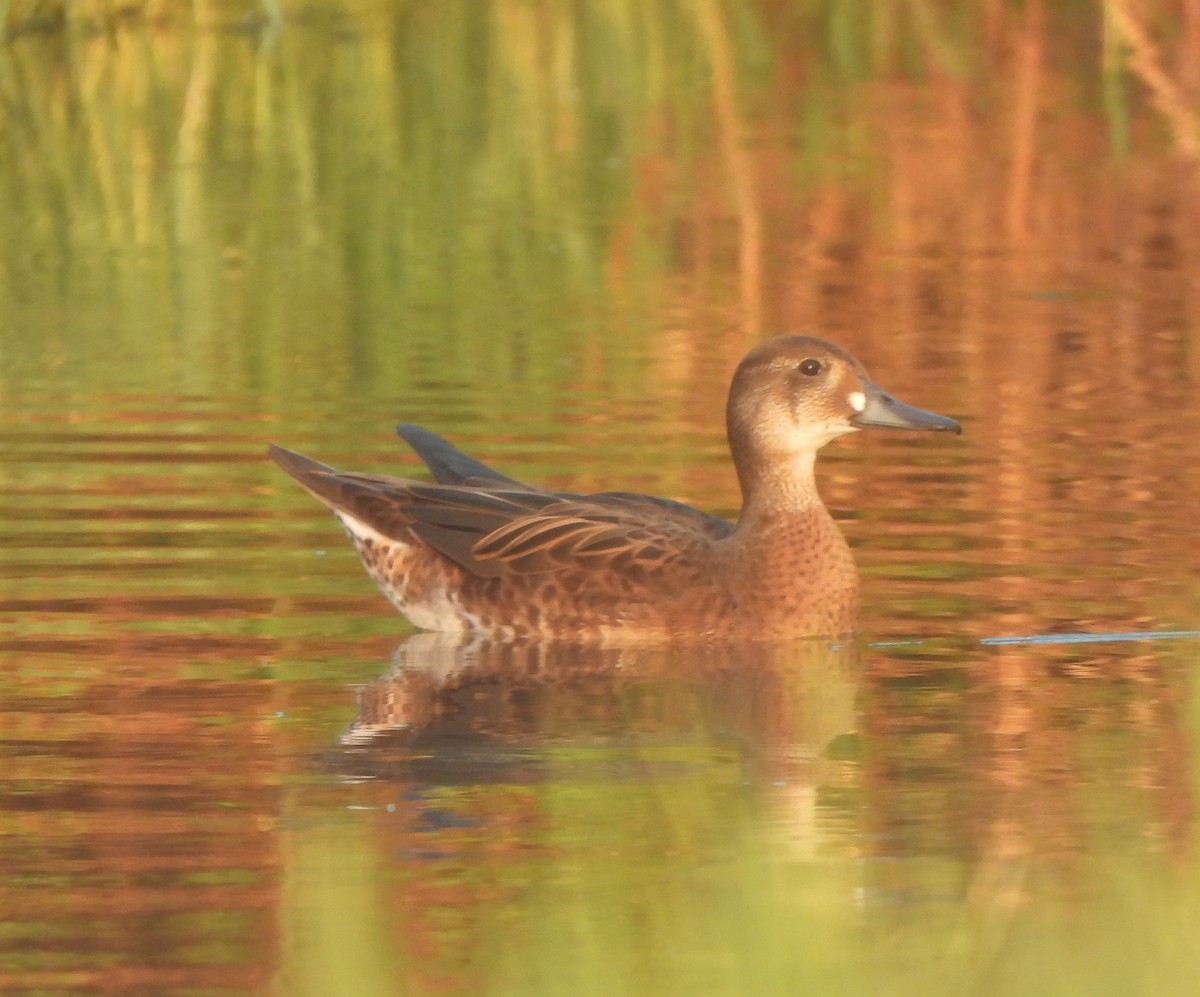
pixel 452 520
pixel 580 533
pixel 491 531
pixel 663 509
pixel 448 464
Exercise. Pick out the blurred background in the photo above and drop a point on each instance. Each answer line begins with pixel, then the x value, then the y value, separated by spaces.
pixel 549 230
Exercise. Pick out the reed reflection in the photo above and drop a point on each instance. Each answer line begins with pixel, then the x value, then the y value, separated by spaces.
pixel 524 784
pixel 1041 771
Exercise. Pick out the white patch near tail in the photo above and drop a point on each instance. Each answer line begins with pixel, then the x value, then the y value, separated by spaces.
pixel 436 610
pixel 358 530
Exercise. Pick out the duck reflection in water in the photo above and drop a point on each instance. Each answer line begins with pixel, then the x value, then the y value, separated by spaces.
pixel 477 552
pixel 455 709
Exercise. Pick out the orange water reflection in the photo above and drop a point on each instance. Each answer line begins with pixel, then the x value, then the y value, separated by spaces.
pixel 180 806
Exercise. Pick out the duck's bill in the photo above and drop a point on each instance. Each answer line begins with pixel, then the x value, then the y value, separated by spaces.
pixel 881 409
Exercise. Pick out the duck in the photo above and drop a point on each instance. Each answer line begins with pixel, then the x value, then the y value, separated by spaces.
pixel 477 552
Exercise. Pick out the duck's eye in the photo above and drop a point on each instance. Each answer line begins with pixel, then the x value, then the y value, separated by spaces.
pixel 810 367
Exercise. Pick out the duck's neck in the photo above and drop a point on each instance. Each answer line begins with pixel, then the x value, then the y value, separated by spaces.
pixel 792 567
pixel 779 488
pixel 785 536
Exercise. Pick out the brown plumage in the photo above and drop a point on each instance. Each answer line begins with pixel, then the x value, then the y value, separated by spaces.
pixel 476 550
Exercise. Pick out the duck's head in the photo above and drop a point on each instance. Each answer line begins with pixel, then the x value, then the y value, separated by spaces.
pixel 793 394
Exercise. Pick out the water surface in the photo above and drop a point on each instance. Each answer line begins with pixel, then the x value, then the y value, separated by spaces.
pixel 229 767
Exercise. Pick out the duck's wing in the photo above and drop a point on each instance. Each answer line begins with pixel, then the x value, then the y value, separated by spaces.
pixel 607 532
pixel 500 530
pixel 448 464
pixel 687 516
pixel 450 519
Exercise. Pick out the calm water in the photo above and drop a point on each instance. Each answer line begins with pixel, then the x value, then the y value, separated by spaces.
pixel 229 767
